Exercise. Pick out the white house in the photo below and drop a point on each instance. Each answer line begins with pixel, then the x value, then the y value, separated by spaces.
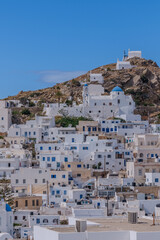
pixel 6 218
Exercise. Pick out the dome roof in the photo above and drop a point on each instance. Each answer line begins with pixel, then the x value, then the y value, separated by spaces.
pixel 117 89
pixel 85 84
pixel 8 208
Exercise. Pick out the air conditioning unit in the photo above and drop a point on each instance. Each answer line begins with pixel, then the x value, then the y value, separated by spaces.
pixel 81 226
pixel 132 217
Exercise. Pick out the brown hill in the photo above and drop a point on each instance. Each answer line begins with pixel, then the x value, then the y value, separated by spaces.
pixel 142 82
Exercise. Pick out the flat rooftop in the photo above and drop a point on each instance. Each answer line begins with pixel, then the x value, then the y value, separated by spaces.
pixel 115 224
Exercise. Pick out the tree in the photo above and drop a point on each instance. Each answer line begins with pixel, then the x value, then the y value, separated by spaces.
pixel 59 96
pixel 99 165
pixel 6 192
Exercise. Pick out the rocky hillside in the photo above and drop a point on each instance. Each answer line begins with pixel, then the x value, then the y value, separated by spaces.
pixel 142 82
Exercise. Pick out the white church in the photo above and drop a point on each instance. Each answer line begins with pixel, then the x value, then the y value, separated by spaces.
pixel 97 105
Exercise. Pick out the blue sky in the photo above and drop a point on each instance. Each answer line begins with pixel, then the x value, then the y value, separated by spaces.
pixel 45 42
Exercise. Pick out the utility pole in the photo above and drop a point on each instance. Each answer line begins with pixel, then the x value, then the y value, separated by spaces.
pixel 105 163
pixel 47 194
pixel 107 205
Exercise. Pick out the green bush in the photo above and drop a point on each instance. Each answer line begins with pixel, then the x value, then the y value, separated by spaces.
pixel 73 121
pixel 26 112
pixel 31 104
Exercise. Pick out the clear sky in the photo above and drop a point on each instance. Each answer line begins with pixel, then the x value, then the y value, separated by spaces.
pixel 43 42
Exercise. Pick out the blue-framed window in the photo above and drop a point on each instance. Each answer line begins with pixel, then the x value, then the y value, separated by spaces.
pixel 53 176
pixel 64 176
pixel 65 192
pixel 43 158
pixel 78 165
pixel 37 220
pixel 66 159
pixel 58 164
pixel 25 134
pixel 34 133
pixel 107 129
pixel 89 129
pixel 48 159
pixel 81 196
pixel 53 159
pixel 83 128
pixel 72 139
pixel 49 148
pixel 85 148
pixel 16 133
pixel 152 155
pixel 111 129
pixel 103 129
pixel 58 192
pixel 64 200
pixel 69 165
pixel 53 192
pixel 156 180
pixel 73 148
pixel 103 121
pixel 41 148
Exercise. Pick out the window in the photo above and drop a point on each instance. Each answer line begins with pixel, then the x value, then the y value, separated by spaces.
pixel 2 118
pixel 99 156
pixel 43 180
pixel 78 175
pixel 37 202
pixel 72 139
pixel 49 148
pixel 41 148
pixel 83 128
pixel 34 133
pixel 66 159
pixel 156 180
pixel 53 159
pixel 69 165
pixel 85 148
pixel 16 203
pixel 17 181
pixel 53 176
pixel 48 159
pixel 95 104
pixel 140 172
pixel 103 129
pixel 152 155
pixel 53 192
pixel 110 104
pixel 103 121
pixel 63 176
pixel 58 164
pixel 89 129
pixel 15 218
pixel 33 202
pixel 108 156
pixel 130 103
pixel 37 220
pixel 78 165
pixel 35 180
pixel 43 158
pixel 104 104
pixel 45 220
pixel 24 180
pixel 26 203
pixel 16 133
pixel 118 101
pixel 65 192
